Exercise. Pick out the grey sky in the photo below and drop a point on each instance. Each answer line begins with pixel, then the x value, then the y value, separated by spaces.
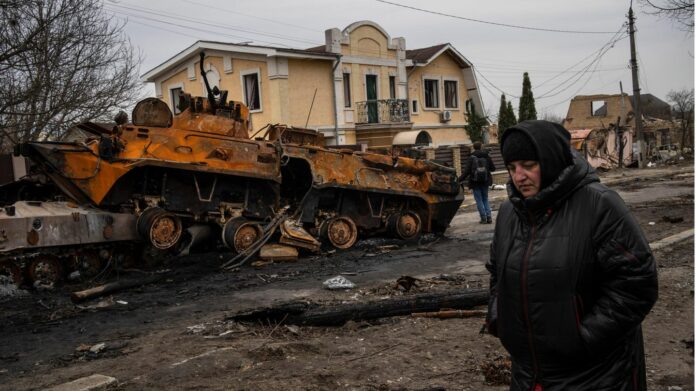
pixel 500 54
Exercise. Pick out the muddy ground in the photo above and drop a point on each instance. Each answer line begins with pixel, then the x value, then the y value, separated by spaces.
pixel 174 334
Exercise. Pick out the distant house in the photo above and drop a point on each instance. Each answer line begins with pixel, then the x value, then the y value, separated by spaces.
pixel 601 111
pixel 598 115
pixel 360 87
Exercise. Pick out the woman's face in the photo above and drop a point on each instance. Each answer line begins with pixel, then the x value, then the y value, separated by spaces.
pixel 526 176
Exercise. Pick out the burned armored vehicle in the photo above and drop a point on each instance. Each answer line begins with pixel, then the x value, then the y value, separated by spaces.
pixel 169 179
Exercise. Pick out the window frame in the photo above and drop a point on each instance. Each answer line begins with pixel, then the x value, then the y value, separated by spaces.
pixel 171 88
pixel 377 85
pixel 347 93
pixel 392 87
pixel 593 109
pixel 242 76
pixel 437 102
pixel 415 107
pixel 456 91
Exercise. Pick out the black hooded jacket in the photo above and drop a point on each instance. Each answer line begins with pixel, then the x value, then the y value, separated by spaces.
pixel 572 278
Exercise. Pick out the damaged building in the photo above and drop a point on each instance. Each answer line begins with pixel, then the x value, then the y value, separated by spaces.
pixel 603 127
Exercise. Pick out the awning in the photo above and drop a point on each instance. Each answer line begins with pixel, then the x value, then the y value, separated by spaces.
pixel 413 137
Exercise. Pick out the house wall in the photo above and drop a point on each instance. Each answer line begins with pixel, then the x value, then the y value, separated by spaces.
pixel 449 133
pixel 304 77
pixel 601 148
pixel 232 82
pixel 367 41
pixel 580 112
pixel 442 68
pixel 367 51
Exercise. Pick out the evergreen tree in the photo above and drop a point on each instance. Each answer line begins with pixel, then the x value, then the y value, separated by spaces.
pixel 476 122
pixel 511 114
pixel 506 116
pixel 502 112
pixel 527 108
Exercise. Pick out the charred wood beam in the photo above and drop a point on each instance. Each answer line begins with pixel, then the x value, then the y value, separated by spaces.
pixel 112 287
pixel 310 314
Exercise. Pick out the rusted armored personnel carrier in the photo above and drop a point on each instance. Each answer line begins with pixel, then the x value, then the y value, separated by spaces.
pixel 200 170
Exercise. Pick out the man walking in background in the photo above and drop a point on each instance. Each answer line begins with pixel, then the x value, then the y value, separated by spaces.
pixel 480 179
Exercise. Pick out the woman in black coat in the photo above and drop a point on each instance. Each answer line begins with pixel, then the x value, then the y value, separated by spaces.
pixel 572 275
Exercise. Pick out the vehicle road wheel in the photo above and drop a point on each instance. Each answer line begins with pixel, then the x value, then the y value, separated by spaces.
pixel 340 231
pixel 239 234
pixel 404 225
pixel 161 228
pixel 11 271
pixel 45 271
pixel 89 263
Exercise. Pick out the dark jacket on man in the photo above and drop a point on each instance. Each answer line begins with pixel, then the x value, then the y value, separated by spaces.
pixel 467 173
pixel 572 278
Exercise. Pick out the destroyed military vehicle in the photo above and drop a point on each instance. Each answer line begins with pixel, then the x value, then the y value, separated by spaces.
pixel 166 180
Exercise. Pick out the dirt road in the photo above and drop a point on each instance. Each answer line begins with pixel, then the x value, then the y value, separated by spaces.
pixel 174 334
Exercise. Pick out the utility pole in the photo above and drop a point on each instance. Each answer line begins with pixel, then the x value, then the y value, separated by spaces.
pixel 620 126
pixel 636 91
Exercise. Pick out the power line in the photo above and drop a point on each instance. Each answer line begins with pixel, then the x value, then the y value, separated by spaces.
pixel 579 75
pixel 174 16
pixel 250 16
pixel 126 20
pixel 517 72
pixel 611 42
pixel 493 85
pixel 187 27
pixel 183 18
pixel 549 30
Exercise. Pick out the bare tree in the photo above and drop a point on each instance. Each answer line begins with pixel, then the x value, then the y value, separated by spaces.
pixel 680 11
pixel 683 108
pixel 552 117
pixel 61 61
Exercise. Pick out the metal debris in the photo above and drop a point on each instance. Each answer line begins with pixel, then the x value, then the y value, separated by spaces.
pixel 406 283
pixel 338 282
pixel 278 253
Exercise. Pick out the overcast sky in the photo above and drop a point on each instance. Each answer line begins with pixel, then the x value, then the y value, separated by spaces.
pixel 561 65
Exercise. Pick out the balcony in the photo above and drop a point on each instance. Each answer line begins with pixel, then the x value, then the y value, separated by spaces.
pixel 382 111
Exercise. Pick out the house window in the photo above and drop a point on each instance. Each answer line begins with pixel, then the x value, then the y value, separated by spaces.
pixel 451 94
pixel 432 93
pixel 599 108
pixel 252 90
pixel 392 87
pixel 414 106
pixel 346 90
pixel 174 95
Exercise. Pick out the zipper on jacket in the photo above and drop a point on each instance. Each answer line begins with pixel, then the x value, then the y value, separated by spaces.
pixel 525 302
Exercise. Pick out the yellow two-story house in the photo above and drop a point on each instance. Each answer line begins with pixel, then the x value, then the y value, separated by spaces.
pixel 361 87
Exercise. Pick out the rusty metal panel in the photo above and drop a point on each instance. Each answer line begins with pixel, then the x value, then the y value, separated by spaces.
pixel 29 224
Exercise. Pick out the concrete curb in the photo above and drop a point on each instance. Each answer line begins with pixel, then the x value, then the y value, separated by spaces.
pixel 612 180
pixel 664 242
pixel 89 383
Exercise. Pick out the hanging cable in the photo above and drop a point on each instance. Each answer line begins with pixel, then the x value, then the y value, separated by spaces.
pixel 496 23
pixel 615 38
